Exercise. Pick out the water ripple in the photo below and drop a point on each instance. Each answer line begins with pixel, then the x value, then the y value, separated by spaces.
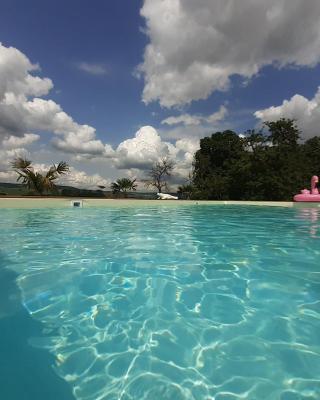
pixel 190 303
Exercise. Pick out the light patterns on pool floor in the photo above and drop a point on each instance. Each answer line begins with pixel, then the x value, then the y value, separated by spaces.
pixel 196 303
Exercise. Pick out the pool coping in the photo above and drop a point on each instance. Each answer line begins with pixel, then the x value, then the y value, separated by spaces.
pixel 66 202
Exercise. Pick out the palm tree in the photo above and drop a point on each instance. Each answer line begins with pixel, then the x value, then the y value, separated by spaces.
pixel 34 180
pixel 123 185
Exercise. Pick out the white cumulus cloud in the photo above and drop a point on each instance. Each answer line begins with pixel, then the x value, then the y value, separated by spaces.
pixel 306 113
pixel 196 46
pixel 83 180
pixel 141 151
pixel 13 142
pixel 187 119
pixel 75 177
pixel 12 147
pixel 147 147
pixel 15 75
pixel 21 111
pixel 23 115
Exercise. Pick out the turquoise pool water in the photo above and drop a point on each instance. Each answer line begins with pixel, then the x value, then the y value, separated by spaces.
pixel 196 302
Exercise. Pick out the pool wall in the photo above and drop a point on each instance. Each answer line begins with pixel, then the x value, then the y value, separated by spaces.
pixel 23 202
pixel 38 202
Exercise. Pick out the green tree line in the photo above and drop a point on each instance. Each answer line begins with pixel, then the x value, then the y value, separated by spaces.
pixel 272 164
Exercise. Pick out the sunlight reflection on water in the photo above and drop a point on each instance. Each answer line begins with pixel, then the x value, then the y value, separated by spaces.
pixel 180 303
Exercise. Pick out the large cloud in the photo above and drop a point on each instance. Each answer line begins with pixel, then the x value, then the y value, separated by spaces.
pixel 23 115
pixel 82 179
pixel 134 156
pixel 196 46
pixel 22 112
pixel 75 178
pixel 15 76
pixel 147 147
pixel 306 112
pixel 142 150
pixel 11 147
pixel 13 142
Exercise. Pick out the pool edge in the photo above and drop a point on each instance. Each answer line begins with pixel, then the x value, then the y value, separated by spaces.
pixel 11 202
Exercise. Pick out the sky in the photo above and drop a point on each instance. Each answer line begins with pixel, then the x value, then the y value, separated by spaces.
pixel 111 87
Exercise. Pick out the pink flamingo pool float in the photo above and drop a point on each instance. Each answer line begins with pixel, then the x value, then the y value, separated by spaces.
pixel 307 195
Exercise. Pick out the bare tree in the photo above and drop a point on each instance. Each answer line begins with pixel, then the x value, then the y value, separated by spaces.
pixel 159 173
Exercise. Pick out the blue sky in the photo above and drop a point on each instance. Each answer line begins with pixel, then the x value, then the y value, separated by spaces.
pixel 60 34
pixel 91 51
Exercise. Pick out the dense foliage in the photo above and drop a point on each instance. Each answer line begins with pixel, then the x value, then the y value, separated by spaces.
pixel 272 165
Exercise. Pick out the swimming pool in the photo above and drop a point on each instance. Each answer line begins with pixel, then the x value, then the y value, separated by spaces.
pixel 197 302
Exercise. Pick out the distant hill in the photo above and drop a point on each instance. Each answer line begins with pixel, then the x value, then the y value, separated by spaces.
pixel 17 189
pixel 14 189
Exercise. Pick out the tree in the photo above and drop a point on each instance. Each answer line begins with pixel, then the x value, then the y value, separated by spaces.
pixel 283 132
pixel 270 165
pixel 35 180
pixel 159 173
pixel 311 150
pixel 185 191
pixel 217 157
pixel 255 141
pixel 123 185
